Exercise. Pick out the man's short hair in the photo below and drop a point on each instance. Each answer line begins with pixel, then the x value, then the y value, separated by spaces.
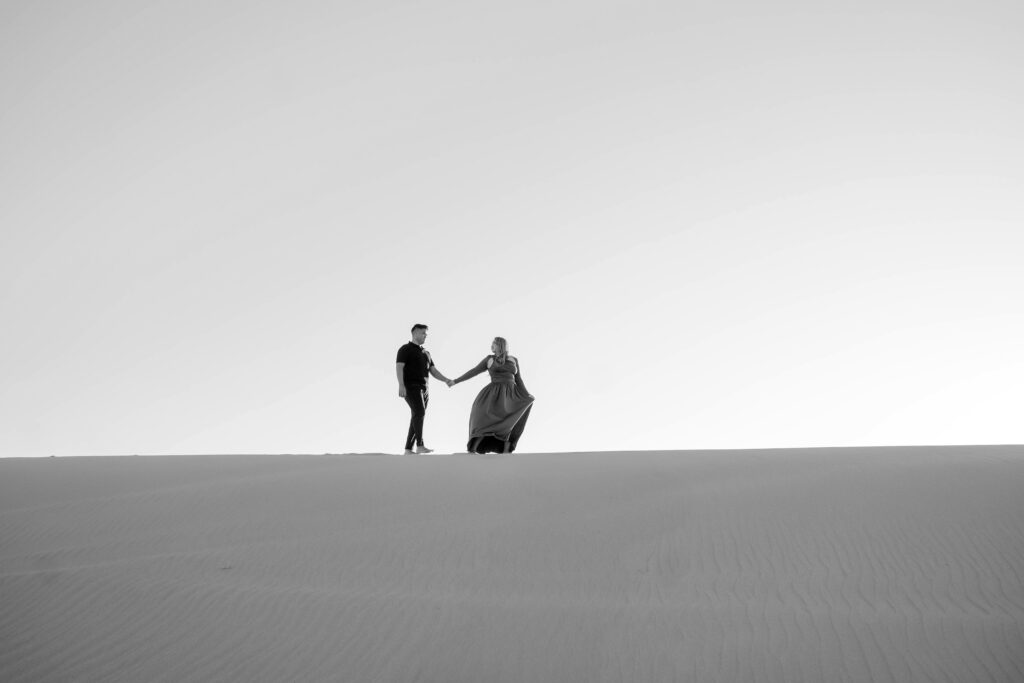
pixel 417 326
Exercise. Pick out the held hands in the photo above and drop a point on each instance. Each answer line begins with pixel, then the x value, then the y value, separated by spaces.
pixel 450 383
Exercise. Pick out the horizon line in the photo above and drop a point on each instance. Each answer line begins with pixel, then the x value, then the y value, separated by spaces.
pixel 442 452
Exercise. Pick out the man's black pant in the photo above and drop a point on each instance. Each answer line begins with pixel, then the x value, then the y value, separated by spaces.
pixel 417 398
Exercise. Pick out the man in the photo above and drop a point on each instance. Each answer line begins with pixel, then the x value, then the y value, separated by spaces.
pixel 411 366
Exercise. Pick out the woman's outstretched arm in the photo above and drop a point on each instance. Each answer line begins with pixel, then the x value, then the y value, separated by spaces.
pixel 480 367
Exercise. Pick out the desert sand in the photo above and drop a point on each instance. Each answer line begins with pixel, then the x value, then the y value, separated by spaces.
pixel 859 564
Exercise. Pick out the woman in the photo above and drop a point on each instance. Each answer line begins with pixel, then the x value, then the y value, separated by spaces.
pixel 500 410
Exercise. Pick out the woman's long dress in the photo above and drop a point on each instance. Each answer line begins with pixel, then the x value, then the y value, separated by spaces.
pixel 501 408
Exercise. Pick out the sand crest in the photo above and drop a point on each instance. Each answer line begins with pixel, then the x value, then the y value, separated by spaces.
pixel 876 564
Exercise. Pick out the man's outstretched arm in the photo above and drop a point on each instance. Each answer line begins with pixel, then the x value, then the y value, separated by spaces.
pixel 437 374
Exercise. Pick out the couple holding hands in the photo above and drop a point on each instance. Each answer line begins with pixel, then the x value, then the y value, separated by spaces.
pixel 499 413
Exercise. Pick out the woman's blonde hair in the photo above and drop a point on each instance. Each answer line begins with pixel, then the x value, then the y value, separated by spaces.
pixel 502 353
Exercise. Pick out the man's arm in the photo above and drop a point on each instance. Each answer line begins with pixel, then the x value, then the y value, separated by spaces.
pixel 401 379
pixel 437 374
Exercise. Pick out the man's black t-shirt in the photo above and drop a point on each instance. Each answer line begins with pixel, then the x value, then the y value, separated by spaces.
pixel 417 364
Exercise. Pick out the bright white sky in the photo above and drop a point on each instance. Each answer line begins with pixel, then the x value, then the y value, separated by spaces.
pixel 699 224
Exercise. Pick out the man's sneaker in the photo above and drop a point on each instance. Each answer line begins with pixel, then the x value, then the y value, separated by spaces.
pixel 409 452
pixel 424 449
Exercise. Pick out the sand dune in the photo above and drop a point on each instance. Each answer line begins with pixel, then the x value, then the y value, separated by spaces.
pixel 884 564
